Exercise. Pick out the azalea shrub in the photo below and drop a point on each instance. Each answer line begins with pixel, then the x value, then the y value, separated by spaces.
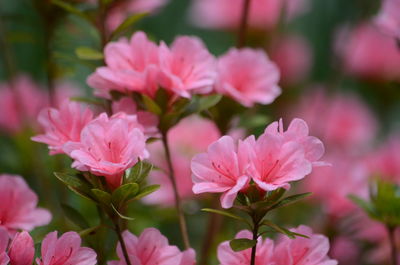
pixel 231 132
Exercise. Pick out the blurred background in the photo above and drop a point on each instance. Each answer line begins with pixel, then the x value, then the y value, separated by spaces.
pixel 339 72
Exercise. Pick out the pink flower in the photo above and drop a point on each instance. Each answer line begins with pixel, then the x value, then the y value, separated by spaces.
pixel 226 14
pixel 221 169
pixel 385 162
pixel 293 56
pixel 264 254
pixel 303 251
pixel 280 157
pixel 388 18
pixel 151 247
pixel 326 184
pixel 20 103
pixel 248 76
pixel 65 250
pixel 120 11
pixel 131 66
pixel 148 120
pixel 186 67
pixel 345 250
pixel 357 48
pixel 190 136
pixel 348 123
pixel 62 125
pixel 21 250
pixel 108 146
pixel 18 208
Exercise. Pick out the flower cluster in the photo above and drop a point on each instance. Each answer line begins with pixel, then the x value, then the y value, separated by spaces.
pixel 184 68
pixel 286 251
pixel 273 160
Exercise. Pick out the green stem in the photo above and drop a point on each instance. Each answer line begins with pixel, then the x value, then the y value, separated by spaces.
pixel 242 35
pixel 392 239
pixel 178 206
pixel 122 242
pixel 255 237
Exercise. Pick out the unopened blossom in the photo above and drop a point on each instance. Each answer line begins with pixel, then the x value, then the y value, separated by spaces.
pixel 123 9
pixel 348 124
pixel 151 247
pixel 17 251
pixel 345 169
pixel 226 14
pixel 148 120
pixel 186 67
pixel 190 136
pixel 388 18
pixel 20 101
pixel 248 76
pixel 18 208
pixel 131 66
pixel 222 169
pixel 385 161
pixel 108 146
pixel 357 49
pixel 62 125
pixel 293 56
pixel 65 250
pixel 264 254
pixel 303 251
pixel 279 157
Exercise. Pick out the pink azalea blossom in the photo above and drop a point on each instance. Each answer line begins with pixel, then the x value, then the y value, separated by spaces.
pixel 190 136
pixel 385 162
pixel 388 18
pixel 348 123
pixel 151 247
pixel 279 157
pixel 303 251
pixel 131 66
pixel 264 254
pixel 20 103
pixel 226 14
pixel 20 250
pixel 221 169
pixel 18 208
pixel 121 10
pixel 148 120
pixel 186 67
pixel 62 125
pixel 108 146
pixel 345 169
pixel 248 76
pixel 65 250
pixel 293 56
pixel 357 48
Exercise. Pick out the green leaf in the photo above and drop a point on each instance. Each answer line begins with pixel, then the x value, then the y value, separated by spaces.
pixel 128 22
pixel 121 215
pixel 146 191
pixel 74 216
pixel 102 196
pixel 281 229
pixel 240 244
pixel 226 213
pixel 86 53
pixel 139 171
pixel 151 105
pixel 89 230
pixel 291 199
pixel 91 101
pixel 124 193
pixel 207 102
pixel 75 184
pixel 70 8
pixel 365 205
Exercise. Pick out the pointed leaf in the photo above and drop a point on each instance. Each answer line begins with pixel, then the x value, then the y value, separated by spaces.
pixel 88 100
pixel 124 193
pixel 281 229
pixel 70 8
pixel 240 244
pixel 89 230
pixel 146 191
pixel 121 215
pixel 207 102
pixel 86 53
pixel 127 23
pixel 139 171
pixel 151 105
pixel 75 183
pixel 74 216
pixel 365 205
pixel 102 196
pixel 225 213
pixel 291 199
